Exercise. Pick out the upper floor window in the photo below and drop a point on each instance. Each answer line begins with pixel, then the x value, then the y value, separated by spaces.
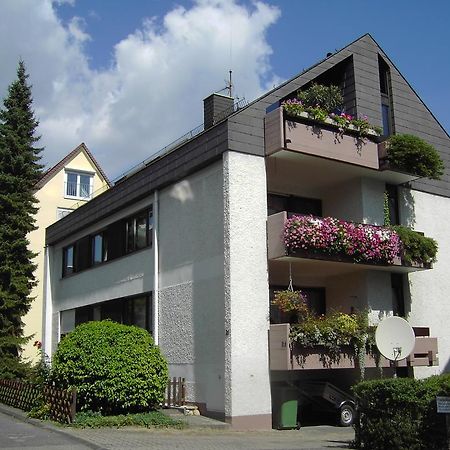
pixel 78 185
pixel 68 260
pixel 386 118
pixel 139 231
pixel 386 97
pixel 117 239
pixel 99 245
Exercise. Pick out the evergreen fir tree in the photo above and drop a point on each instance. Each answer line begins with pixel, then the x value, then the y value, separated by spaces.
pixel 19 171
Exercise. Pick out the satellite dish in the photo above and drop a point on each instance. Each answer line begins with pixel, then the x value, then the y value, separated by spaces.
pixel 395 338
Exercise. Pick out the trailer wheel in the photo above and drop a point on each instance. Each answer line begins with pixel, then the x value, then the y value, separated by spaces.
pixel 346 415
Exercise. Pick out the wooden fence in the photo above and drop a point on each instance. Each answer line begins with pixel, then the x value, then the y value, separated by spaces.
pixel 175 392
pixel 62 403
pixel 25 396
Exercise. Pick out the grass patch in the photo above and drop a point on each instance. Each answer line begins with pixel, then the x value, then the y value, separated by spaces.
pixel 153 419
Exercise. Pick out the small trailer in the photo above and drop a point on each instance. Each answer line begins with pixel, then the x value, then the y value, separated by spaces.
pixel 326 396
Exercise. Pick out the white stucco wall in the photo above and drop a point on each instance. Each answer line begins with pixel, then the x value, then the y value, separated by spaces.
pixel 247 387
pixel 430 305
pixel 191 299
pixel 359 200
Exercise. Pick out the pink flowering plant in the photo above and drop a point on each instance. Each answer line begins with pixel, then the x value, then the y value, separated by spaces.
pixel 361 242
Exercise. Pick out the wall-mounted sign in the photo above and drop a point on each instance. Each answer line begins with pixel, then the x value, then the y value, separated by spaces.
pixel 443 405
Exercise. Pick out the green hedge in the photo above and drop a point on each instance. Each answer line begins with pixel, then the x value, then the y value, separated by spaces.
pixel 115 368
pixel 400 414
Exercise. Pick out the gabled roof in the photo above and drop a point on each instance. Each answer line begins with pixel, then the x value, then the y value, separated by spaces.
pixel 48 175
pixel 243 131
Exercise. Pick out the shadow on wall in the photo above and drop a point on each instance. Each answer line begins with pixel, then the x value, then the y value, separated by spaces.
pixel 408 215
pixel 193 284
pixel 447 367
pixel 407 295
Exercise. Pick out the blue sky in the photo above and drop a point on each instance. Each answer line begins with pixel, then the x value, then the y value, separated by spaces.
pixel 114 73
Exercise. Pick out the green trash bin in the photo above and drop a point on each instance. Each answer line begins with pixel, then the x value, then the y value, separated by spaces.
pixel 285 405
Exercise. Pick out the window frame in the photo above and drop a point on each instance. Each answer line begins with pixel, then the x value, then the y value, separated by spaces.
pixel 78 174
pixel 65 271
pixel 125 309
pixel 103 250
pixel 84 255
pixel 131 223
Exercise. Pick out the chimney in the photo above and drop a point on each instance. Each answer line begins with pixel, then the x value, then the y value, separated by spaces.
pixel 216 107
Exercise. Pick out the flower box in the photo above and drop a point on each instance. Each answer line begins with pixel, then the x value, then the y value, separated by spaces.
pixel 308 137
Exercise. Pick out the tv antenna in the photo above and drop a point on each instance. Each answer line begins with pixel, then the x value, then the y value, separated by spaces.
pixel 228 85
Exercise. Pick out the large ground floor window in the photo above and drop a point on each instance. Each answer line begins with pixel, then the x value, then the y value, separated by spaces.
pixel 133 310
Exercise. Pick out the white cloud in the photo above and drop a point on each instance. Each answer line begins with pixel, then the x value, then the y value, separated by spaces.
pixel 152 92
pixel 76 29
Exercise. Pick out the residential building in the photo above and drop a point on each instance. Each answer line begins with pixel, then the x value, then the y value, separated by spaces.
pixel 70 183
pixel 190 246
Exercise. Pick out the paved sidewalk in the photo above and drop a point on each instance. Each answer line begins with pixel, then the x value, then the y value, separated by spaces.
pixel 322 437
pixel 202 434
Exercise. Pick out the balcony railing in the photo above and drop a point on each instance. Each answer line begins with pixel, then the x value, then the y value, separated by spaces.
pixel 288 355
pixel 311 139
pixel 78 190
pixel 332 240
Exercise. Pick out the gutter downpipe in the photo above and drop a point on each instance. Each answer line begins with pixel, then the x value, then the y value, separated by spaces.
pixel 156 269
pixel 48 307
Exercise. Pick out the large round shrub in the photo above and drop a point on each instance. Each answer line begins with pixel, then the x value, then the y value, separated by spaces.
pixel 115 368
pixel 413 155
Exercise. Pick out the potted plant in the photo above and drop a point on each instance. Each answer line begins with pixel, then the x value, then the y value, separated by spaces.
pixel 292 302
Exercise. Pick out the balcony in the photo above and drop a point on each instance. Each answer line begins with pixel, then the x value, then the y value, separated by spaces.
pixel 323 148
pixel 336 245
pixel 284 354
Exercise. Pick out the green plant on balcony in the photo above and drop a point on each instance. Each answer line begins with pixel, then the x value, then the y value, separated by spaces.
pixel 324 104
pixel 416 247
pixel 336 332
pixel 413 155
pixel 327 98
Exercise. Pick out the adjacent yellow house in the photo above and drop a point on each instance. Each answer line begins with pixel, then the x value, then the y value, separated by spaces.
pixel 69 184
